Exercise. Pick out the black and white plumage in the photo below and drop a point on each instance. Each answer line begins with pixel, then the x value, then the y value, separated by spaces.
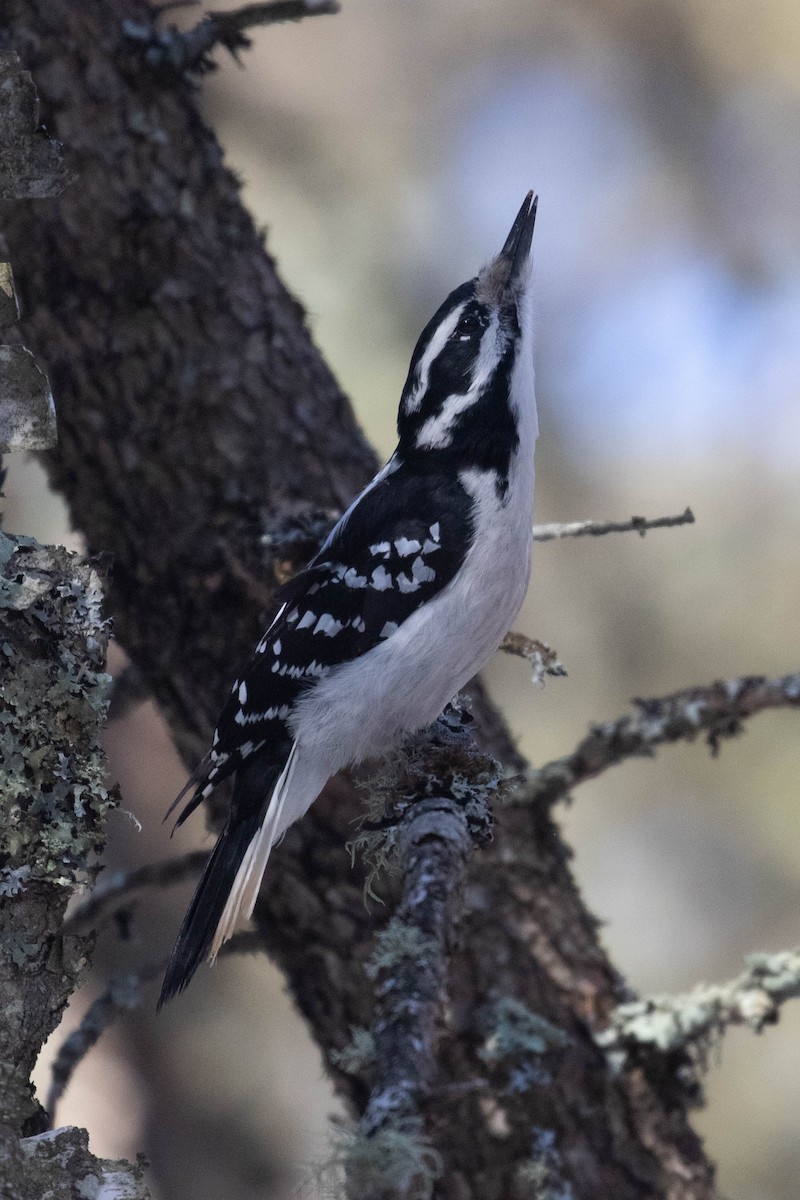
pixel 409 596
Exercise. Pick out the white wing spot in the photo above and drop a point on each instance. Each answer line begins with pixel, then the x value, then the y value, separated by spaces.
pixel 382 548
pixel 389 628
pixel 352 579
pixel 406 546
pixel 381 579
pixel 243 693
pixel 429 546
pixel 407 585
pixel 276 648
pixel 307 620
pixel 292 617
pixel 358 624
pixel 280 712
pixel 276 666
pixel 435 532
pixel 329 625
pixel 421 572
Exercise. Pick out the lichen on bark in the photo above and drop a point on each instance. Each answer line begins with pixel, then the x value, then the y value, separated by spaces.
pixel 53 794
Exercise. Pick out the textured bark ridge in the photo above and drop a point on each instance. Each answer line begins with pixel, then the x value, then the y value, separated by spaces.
pixel 195 415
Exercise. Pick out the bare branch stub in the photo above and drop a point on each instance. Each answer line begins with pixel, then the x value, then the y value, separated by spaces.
pixel 175 51
pixel 640 525
pixel 716 711
pixel 543 659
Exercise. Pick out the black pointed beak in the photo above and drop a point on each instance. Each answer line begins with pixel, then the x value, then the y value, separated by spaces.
pixel 518 243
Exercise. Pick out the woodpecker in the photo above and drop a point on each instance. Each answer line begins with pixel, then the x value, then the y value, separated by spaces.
pixel 411 593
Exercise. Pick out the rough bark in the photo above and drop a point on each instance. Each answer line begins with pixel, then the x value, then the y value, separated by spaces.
pixel 195 415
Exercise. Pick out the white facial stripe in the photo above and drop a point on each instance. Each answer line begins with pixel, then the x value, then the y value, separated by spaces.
pixel 435 347
pixel 437 431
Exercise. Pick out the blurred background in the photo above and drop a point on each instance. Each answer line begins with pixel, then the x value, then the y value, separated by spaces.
pixel 386 150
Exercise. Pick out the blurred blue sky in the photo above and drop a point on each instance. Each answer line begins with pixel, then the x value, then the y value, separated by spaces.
pixel 679 340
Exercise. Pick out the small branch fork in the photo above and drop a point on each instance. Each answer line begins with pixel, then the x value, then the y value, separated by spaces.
pixel 672 1023
pixel 716 711
pixel 190 51
pixel 640 525
pixel 435 837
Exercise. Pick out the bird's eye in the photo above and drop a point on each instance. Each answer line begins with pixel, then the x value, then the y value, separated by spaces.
pixel 467 326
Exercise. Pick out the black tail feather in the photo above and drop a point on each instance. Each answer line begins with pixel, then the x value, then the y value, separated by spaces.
pixel 201 920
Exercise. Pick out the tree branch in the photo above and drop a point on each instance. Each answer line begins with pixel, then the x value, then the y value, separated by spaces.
pixel 716 711
pixel 671 1023
pixel 122 994
pixel 190 51
pixel 409 964
pixel 117 886
pixel 640 525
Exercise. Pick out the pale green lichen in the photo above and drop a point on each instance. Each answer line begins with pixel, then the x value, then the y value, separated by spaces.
pixel 539 1177
pixel 516 1032
pixel 396 1160
pixel 358 1054
pixel 53 700
pixel 414 771
pixel 395 943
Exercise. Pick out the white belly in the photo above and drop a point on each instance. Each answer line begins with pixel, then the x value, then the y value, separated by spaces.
pixel 365 706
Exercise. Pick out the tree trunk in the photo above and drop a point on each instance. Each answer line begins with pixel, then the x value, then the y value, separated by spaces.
pixel 195 415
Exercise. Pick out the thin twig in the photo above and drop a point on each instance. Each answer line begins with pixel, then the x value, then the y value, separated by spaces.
pixel 670 1023
pixel 640 525
pixel 118 885
pixel 543 659
pixel 190 50
pixel 716 711
pixel 122 994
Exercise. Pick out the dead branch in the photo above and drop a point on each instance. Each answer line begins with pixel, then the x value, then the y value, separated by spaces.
pixel 716 711
pixel 640 525
pixel 543 659
pixel 670 1023
pixel 190 50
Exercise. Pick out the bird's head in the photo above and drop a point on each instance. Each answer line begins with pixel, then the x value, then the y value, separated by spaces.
pixel 471 370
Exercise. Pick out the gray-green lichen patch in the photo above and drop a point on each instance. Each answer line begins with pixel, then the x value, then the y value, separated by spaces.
pixel 518 1042
pixel 395 1161
pixel 395 943
pixel 59 1166
pixel 358 1054
pixel 53 700
pixel 31 166
pixel 441 761
pixel 27 412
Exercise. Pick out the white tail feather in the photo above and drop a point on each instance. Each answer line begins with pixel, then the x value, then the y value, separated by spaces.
pixel 297 788
pixel 244 891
